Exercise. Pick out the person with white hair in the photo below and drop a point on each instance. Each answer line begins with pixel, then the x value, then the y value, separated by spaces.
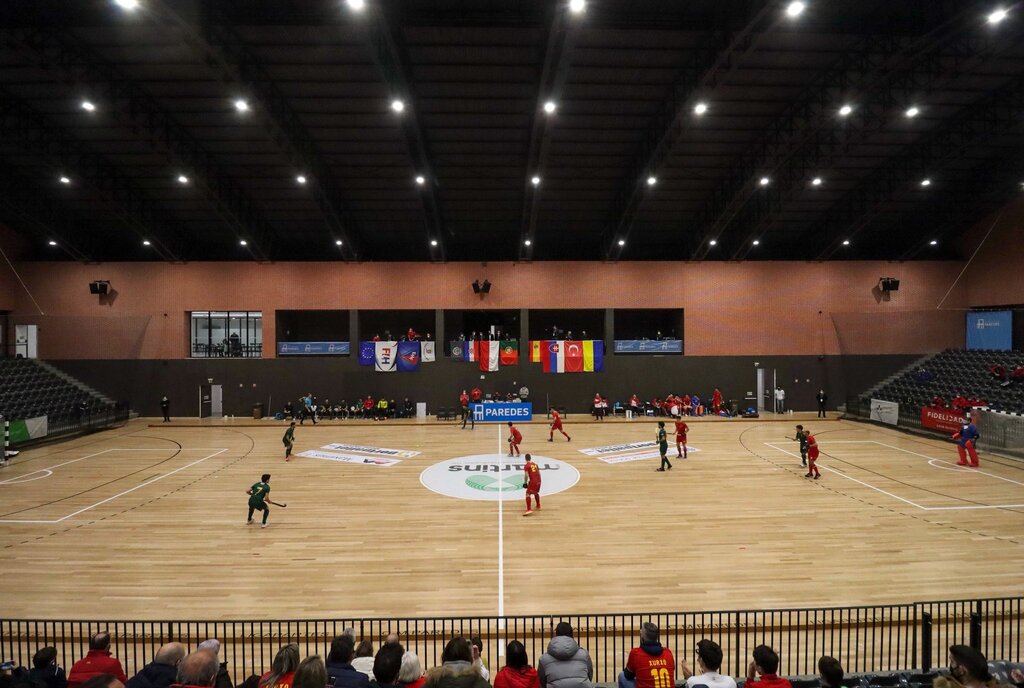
pixel 411 674
pixel 223 677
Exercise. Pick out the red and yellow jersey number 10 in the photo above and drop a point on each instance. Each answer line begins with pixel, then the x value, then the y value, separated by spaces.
pixel 661 678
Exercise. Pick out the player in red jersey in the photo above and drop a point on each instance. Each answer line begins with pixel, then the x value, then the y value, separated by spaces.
pixel 475 394
pixel 687 405
pixel 716 401
pixel 681 429
pixel 514 439
pixel 556 424
pixel 466 413
pixel 531 483
pixel 812 456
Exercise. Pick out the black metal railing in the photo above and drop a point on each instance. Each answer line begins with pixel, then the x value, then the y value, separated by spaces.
pixel 879 638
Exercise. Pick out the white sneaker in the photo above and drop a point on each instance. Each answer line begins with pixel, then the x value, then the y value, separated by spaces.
pixel 264 525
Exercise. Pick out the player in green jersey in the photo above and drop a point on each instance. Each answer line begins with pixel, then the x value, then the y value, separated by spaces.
pixel 258 494
pixel 801 437
pixel 289 441
pixel 663 446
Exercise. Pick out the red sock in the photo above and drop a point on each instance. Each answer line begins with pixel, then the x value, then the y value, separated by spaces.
pixel 973 452
pixel 528 501
pixel 814 468
pixel 536 498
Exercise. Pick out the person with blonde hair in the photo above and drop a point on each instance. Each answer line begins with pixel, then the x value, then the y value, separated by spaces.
pixel 282 670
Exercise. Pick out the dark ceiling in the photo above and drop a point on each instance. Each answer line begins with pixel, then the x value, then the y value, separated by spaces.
pixel 625 75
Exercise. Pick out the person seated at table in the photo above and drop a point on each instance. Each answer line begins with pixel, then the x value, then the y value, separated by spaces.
pixel 634 405
pixel 382 409
pixel 289 410
pixel 698 407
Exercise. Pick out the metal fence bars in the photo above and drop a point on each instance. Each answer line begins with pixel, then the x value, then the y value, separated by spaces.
pixel 879 638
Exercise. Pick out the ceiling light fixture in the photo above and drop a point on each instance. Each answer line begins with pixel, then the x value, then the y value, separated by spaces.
pixel 845 110
pixel 756 242
pixel 926 182
pixel 535 181
pixel 241 105
pixel 652 180
pixel 145 242
pixel 301 179
pixel 816 181
pixel 397 105
pixel 528 242
pixel 421 180
pixel 129 5
pixel 846 242
pixel 356 5
pixel 622 242
pixel 933 242
pixel 337 242
pixel 65 180
pixel 912 112
pixel 713 242
pixel 243 242
pixel 577 6
pixel 700 108
pixel 182 179
pixel 433 242
pixel 51 242
pixel 88 106
pixel 998 15
pixel 795 9
pixel 550 106
pixel 765 181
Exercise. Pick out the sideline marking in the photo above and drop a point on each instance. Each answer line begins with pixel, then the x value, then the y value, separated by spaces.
pixel 119 494
pixel 897 497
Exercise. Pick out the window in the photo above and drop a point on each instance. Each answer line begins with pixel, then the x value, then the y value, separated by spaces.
pixel 237 334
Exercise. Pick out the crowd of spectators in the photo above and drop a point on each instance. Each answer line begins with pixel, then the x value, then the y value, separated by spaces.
pixel 672 405
pixel 349 664
pixel 411 335
pixel 309 408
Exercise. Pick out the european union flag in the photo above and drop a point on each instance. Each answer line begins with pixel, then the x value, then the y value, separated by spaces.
pixel 367 352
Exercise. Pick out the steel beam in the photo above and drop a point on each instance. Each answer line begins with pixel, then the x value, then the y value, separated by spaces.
pixel 561 39
pixel 704 70
pixel 389 57
pixel 34 134
pixel 54 49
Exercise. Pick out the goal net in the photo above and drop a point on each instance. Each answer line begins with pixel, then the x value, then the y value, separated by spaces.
pixel 999 430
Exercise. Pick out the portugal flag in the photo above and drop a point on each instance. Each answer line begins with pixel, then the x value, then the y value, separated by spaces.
pixel 509 352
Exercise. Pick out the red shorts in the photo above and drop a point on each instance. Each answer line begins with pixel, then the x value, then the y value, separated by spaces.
pixel 812 453
pixel 557 425
pixel 681 438
pixel 533 489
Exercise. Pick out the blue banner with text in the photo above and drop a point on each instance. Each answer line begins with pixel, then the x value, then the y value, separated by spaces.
pixel 502 412
pixel 313 349
pixel 648 346
pixel 990 330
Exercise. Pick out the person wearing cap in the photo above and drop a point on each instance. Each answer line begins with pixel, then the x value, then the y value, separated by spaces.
pixel 709 661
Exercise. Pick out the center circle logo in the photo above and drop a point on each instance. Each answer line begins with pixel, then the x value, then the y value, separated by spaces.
pixel 490 477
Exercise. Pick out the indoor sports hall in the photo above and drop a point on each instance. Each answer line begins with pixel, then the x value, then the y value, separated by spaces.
pixel 289 291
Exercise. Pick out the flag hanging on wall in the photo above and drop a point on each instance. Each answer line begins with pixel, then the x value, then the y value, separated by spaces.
pixel 535 349
pixel 509 352
pixel 472 351
pixel 488 354
pixel 593 356
pixel 552 357
pixel 572 356
pixel 457 350
pixel 427 352
pixel 367 352
pixel 408 357
pixel 385 357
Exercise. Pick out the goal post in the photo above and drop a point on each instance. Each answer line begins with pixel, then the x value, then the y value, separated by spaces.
pixel 999 429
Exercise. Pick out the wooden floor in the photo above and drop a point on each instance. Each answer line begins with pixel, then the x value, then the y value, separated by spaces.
pixel 147 521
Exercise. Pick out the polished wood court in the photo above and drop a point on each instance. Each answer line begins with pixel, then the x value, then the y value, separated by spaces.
pixel 147 521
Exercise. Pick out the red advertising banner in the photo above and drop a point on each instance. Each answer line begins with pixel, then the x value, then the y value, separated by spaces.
pixel 949 420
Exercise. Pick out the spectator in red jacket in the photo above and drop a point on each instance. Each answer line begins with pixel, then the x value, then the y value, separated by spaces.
pixel 765 664
pixel 517 672
pixel 938 402
pixel 198 670
pixel 99 661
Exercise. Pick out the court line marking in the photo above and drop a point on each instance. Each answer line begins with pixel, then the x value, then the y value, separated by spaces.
pixel 897 497
pixel 843 475
pixel 19 478
pixel 119 494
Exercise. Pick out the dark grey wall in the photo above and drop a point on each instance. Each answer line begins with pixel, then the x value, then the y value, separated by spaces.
pixel 143 382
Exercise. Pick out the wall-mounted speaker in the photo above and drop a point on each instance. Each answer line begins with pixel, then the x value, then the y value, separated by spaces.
pixel 889 284
pixel 476 286
pixel 100 287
